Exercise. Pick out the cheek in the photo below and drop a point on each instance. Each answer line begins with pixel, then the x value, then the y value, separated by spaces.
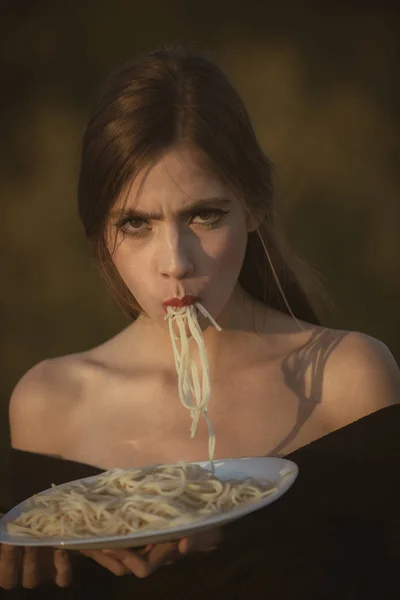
pixel 228 248
pixel 131 269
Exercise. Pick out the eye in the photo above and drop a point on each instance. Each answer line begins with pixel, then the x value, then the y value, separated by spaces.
pixel 132 226
pixel 208 216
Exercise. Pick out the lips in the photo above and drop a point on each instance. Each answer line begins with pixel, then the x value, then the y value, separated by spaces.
pixel 180 302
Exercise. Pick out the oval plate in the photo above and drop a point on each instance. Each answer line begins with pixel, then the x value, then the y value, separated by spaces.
pixel 232 468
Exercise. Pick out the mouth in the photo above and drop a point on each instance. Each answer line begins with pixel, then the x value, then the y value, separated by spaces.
pixel 180 302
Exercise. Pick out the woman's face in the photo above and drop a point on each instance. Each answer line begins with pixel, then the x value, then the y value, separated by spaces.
pixel 180 231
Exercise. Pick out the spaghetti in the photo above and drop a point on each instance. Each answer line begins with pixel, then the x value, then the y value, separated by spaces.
pixel 194 390
pixel 120 502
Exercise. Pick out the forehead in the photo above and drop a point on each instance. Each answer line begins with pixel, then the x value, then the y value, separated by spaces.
pixel 178 178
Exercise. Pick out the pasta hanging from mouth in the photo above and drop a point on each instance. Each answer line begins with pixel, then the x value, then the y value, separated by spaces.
pixel 194 389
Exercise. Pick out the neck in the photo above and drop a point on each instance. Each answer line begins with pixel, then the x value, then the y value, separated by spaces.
pixel 237 318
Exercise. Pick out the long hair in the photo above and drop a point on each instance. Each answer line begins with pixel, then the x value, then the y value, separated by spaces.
pixel 172 96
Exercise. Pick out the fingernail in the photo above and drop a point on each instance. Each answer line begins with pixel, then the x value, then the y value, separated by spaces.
pixel 188 545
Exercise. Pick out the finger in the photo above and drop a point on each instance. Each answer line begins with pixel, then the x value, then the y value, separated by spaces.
pixel 140 567
pixel 107 561
pixel 10 565
pixel 163 554
pixel 63 569
pixel 30 568
pixel 202 542
pixel 142 550
pixel 134 562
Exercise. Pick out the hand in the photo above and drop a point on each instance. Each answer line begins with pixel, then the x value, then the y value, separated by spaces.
pixel 33 566
pixel 142 563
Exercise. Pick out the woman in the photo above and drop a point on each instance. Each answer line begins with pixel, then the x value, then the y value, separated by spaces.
pixel 176 197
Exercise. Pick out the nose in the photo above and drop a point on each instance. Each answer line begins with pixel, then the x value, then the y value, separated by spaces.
pixel 175 258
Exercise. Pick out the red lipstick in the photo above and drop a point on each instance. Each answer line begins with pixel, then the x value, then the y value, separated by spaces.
pixel 180 302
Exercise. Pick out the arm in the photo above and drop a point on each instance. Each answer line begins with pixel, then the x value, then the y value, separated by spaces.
pixel 33 429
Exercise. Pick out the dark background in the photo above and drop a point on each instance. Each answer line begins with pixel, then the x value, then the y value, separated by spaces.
pixel 321 85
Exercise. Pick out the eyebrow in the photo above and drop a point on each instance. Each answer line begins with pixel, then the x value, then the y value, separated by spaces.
pixel 215 201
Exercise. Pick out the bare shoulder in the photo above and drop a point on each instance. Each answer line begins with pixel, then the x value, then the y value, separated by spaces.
pixel 361 376
pixel 41 400
pixel 340 376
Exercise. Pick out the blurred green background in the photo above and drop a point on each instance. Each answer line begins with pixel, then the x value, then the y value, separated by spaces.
pixel 321 84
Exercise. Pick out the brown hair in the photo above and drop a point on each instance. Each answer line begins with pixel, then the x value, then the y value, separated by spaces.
pixel 162 98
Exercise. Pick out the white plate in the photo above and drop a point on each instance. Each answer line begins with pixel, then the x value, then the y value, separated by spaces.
pixel 233 468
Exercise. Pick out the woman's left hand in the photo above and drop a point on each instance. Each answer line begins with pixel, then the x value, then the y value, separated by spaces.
pixel 142 563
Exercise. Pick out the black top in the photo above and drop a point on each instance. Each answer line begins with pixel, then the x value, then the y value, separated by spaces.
pixel 334 535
